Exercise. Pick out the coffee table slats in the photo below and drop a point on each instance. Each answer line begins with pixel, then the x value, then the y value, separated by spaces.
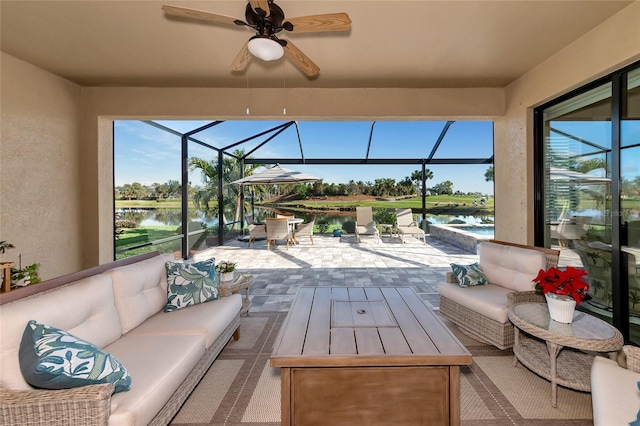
pixel 342 342
pixel 442 337
pixel 368 341
pixel 318 334
pixel 411 327
pixel 394 342
pixel 357 293
pixel 292 342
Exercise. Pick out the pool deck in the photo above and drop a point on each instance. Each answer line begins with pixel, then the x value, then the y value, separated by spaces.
pixel 340 261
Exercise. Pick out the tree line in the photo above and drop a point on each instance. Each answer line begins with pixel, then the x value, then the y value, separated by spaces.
pixel 202 194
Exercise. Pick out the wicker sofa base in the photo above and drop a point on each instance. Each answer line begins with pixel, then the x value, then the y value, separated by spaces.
pixel 181 394
pixel 476 325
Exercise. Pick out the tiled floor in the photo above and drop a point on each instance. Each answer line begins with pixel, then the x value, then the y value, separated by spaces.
pixel 340 261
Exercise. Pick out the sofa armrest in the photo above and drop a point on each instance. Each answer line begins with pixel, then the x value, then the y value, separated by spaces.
pixel 86 405
pixel 518 297
pixel 451 278
pixel 632 354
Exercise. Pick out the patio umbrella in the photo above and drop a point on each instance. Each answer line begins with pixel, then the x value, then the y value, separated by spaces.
pixel 276 175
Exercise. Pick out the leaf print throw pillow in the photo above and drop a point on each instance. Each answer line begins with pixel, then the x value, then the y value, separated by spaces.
pixel 190 283
pixel 51 358
pixel 469 275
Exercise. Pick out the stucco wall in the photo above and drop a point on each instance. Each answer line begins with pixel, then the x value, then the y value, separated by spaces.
pixel 40 205
pixel 608 47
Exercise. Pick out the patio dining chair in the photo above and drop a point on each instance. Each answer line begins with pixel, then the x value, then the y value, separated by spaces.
pixel 278 229
pixel 256 231
pixel 305 230
pixel 406 225
pixel 365 224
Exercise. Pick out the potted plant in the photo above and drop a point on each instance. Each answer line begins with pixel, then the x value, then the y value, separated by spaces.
pixel 225 268
pixel 25 276
pixel 563 291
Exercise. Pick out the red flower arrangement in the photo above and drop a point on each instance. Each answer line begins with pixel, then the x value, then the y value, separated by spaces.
pixel 567 283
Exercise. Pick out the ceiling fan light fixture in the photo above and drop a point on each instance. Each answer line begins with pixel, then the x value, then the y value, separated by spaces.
pixel 265 48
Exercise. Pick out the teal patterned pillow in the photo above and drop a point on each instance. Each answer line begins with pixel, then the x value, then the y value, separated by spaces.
pixel 51 358
pixel 469 275
pixel 190 283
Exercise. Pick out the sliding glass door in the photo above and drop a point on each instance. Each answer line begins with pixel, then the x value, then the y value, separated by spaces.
pixel 588 176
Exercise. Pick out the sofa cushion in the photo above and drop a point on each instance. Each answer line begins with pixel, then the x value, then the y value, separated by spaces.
pixel 206 319
pixel 614 393
pixel 158 365
pixel 469 275
pixel 140 290
pixel 84 308
pixel 51 358
pixel 511 267
pixel 190 284
pixel 489 300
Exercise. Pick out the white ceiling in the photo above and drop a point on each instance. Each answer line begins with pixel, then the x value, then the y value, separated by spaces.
pixel 391 43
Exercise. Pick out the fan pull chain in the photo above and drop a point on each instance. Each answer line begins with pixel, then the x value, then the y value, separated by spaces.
pixel 248 95
pixel 284 84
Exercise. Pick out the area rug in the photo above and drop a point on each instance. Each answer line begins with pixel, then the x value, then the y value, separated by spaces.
pixel 241 389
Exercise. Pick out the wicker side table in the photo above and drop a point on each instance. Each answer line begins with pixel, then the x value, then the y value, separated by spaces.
pixel 242 282
pixel 539 342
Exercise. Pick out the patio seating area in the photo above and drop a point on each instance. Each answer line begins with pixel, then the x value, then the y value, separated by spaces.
pixel 340 261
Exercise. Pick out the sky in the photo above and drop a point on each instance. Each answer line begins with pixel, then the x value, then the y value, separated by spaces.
pixel 146 154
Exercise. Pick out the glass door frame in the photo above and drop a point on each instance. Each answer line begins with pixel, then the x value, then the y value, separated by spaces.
pixel 620 288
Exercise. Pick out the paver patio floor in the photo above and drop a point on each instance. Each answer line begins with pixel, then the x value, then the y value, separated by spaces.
pixel 340 261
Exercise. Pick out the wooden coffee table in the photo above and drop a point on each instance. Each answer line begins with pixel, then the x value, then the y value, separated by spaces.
pixel 540 347
pixel 374 356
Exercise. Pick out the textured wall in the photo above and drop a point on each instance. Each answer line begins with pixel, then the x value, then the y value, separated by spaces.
pixel 608 47
pixel 40 205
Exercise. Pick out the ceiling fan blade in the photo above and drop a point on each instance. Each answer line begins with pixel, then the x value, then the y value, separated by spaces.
pixel 199 15
pixel 301 60
pixel 321 23
pixel 242 59
pixel 260 4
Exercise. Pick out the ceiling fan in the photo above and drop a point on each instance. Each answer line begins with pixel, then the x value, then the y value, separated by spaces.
pixel 267 19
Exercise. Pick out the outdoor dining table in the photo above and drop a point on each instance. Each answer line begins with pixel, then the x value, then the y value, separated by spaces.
pixel 293 221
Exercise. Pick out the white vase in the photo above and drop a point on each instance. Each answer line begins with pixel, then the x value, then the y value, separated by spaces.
pixel 227 276
pixel 561 308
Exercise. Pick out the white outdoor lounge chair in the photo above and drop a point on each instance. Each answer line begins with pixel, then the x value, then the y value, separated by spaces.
pixel 406 225
pixel 365 224
pixel 278 229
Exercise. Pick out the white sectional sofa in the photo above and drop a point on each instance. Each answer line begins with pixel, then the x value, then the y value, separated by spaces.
pixel 615 396
pixel 118 308
pixel 482 311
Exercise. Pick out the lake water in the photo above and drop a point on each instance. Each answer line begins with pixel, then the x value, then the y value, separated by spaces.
pixel 173 217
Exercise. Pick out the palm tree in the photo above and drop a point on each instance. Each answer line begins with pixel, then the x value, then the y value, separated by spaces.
pixel 417 177
pixel 230 172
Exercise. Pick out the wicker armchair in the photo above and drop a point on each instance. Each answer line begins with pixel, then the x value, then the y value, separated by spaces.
pixel 480 326
pixel 256 231
pixel 278 229
pixel 305 230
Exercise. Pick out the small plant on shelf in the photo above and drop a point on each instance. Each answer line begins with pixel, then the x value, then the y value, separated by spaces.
pixel 226 266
